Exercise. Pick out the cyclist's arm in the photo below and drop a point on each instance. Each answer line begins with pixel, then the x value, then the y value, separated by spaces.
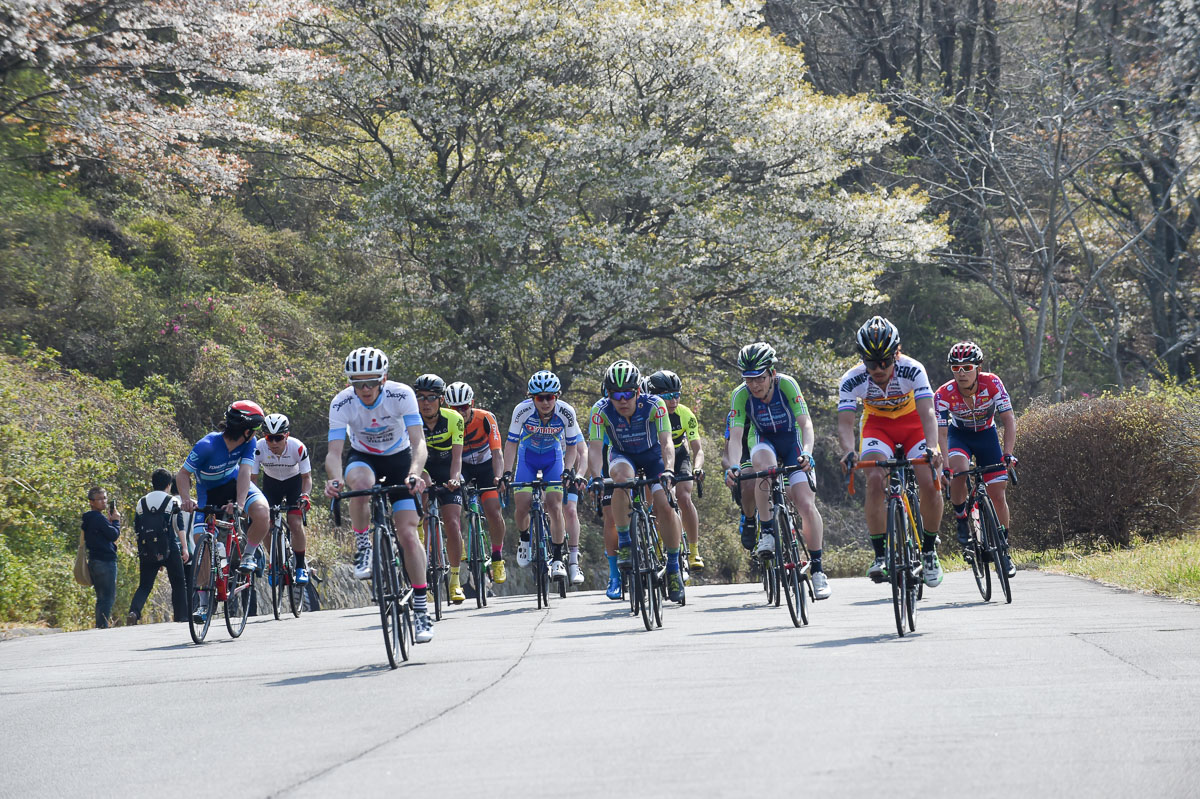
pixel 306 483
pixel 846 431
pixel 1008 421
pixel 569 455
pixel 595 458
pixel 420 451
pixel 333 463
pixel 692 428
pixel 581 458
pixel 243 487
pixel 497 463
pixel 183 484
pixel 807 436
pixel 944 439
pixel 930 427
pixel 510 457
pixel 668 450
pixel 734 447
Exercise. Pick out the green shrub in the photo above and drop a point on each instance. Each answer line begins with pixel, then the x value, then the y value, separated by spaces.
pixel 1102 470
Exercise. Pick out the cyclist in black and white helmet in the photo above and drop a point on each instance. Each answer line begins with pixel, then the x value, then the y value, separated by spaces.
pixel 380 419
pixel 285 472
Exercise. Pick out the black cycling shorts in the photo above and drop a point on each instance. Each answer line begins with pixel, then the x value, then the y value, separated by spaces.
pixel 389 469
pixel 279 492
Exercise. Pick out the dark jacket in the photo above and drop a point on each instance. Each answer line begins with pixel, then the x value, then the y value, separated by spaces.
pixel 100 535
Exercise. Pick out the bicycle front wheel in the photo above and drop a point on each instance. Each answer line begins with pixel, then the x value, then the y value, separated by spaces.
pixel 384 584
pixel 793 588
pixel 996 546
pixel 433 571
pixel 979 569
pixel 898 562
pixel 276 570
pixel 203 597
pixel 295 590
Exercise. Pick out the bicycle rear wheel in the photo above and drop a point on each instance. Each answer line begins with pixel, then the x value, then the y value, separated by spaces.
pixel 656 604
pixel 202 600
pixel 384 582
pixel 898 563
pixel 916 586
pixel 295 590
pixel 433 577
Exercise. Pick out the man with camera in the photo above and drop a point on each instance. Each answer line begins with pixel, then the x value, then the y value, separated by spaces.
pixel 100 534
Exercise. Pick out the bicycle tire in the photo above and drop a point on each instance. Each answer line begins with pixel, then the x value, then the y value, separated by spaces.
pixel 295 590
pixel 383 579
pixel 198 632
pixel 433 573
pixel 241 584
pixel 275 570
pixel 979 569
pixel 792 589
pixel 996 547
pixel 897 565
pixel 916 588
pixel 656 607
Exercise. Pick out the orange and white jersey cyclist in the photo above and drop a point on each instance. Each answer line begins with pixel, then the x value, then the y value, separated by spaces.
pixel 897 411
pixel 968 407
pixel 483 465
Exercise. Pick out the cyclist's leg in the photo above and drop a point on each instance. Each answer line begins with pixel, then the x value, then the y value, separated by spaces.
pixel 260 518
pixel 762 456
pixel 571 522
pixel 683 495
pixel 877 444
pixel 958 459
pixel 621 468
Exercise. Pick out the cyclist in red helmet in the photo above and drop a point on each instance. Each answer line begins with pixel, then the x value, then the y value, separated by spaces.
pixel 968 407
pixel 215 463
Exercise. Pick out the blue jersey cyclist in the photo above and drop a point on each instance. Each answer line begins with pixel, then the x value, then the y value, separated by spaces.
pixel 639 437
pixel 771 408
pixel 215 463
pixel 541 438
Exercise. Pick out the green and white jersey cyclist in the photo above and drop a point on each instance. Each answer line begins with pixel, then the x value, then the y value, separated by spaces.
pixel 771 407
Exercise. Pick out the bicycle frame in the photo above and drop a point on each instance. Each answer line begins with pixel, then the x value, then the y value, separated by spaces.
pixel 539 541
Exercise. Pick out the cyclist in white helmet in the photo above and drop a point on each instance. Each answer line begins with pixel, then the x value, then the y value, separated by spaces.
pixel 286 477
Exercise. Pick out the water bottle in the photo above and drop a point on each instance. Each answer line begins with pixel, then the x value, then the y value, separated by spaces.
pixel 223 578
pixel 224 560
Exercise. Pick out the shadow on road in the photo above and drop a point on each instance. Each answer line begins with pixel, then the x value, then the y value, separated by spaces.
pixel 509 611
pixel 733 608
pixel 884 600
pixel 742 632
pixel 186 645
pixel 615 613
pixel 361 671
pixel 630 631
pixel 862 639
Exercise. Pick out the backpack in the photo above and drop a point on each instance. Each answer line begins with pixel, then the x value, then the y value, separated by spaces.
pixel 154 531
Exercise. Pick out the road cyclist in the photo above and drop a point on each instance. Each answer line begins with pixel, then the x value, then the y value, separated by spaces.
pixel 689 456
pixel 381 420
pixel 286 479
pixel 445 431
pixel 771 407
pixel 541 438
pixel 482 465
pixel 897 411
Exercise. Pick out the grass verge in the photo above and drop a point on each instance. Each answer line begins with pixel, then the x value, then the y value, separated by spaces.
pixel 1169 567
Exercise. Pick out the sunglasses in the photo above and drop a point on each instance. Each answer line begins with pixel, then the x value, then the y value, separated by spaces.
pixel 962 367
pixel 622 395
pixel 875 365
pixel 277 437
pixel 372 383
pixel 670 395
pixel 545 397
pixel 428 397
pixel 462 409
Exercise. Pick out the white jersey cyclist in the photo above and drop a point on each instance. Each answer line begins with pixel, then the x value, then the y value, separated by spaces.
pixel 292 462
pixel 379 429
pixel 909 383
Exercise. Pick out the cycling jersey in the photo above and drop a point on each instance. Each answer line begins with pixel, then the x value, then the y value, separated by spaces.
pixel 482 435
pixel 540 437
pixel 291 462
pixel 213 464
pixel 378 429
pixel 976 413
pixel 447 431
pixel 909 383
pixel 684 425
pixel 634 435
pixel 778 415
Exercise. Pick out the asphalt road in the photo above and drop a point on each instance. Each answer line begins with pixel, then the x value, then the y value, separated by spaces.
pixel 1073 690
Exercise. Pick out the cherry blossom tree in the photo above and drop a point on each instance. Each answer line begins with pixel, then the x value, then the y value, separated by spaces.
pixel 154 89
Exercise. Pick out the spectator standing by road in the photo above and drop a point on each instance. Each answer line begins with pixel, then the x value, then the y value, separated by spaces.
pixel 162 543
pixel 100 534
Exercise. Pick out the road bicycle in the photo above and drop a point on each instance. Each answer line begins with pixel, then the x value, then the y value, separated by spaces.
pixel 281 569
pixel 224 538
pixel 986 544
pixel 904 569
pixel 479 556
pixel 788 572
pixel 437 570
pixel 539 540
pixel 390 586
pixel 645 574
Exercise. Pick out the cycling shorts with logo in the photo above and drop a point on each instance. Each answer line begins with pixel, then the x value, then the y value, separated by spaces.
pixel 392 469
pixel 881 435
pixel 984 445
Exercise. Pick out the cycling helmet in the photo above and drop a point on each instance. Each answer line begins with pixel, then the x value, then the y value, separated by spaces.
pixel 664 381
pixel 756 358
pixel 544 382
pixel 431 383
pixel 877 339
pixel 644 385
pixel 965 352
pixel 622 375
pixel 276 423
pixel 366 361
pixel 243 415
pixel 459 394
